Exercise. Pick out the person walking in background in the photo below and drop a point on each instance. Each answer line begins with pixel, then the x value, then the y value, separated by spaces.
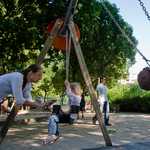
pixel 82 105
pixel 102 100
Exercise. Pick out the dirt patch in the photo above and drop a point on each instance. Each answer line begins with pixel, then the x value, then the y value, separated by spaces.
pixel 127 128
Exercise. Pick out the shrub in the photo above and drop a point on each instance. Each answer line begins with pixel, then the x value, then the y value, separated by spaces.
pixel 131 98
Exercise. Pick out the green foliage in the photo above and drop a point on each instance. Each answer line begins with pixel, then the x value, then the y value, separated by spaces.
pixel 23 27
pixel 112 130
pixel 117 92
pixel 17 32
pixel 131 98
pixel 44 87
pixel 23 32
pixel 105 49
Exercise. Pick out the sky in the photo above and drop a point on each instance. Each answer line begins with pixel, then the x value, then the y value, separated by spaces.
pixel 132 13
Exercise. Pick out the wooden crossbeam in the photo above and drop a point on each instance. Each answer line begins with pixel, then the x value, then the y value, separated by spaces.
pixel 39 61
pixel 88 82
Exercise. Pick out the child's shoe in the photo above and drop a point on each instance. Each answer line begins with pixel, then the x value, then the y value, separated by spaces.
pixel 49 139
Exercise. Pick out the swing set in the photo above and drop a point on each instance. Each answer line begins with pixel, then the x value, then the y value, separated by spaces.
pixel 64 34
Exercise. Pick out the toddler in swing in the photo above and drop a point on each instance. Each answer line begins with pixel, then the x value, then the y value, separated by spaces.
pixel 73 92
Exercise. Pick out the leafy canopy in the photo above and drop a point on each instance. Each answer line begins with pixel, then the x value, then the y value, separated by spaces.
pixel 23 33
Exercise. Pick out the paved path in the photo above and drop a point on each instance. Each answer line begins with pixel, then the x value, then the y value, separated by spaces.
pixel 30 128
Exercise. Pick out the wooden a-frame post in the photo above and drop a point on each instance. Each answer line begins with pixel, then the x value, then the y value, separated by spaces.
pixel 39 61
pixel 88 82
pixel 49 41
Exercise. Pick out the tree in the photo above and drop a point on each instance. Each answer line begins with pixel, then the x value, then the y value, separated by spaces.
pixel 105 49
pixel 23 27
pixel 16 34
pixel 45 86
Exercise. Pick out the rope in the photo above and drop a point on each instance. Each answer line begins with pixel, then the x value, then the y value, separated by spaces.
pixel 129 40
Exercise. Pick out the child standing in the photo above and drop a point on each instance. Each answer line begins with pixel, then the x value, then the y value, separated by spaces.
pixel 73 92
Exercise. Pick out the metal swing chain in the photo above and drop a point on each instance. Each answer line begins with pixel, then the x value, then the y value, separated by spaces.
pixel 144 9
pixel 129 40
pixel 67 52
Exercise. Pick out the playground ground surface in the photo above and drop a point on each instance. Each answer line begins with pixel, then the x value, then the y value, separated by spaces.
pixel 128 131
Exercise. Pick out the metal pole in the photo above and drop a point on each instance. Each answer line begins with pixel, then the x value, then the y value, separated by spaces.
pixel 88 82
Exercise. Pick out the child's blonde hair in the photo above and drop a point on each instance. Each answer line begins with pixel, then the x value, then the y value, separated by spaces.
pixel 75 87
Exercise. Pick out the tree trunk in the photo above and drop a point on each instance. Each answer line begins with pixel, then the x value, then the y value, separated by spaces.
pixel 62 97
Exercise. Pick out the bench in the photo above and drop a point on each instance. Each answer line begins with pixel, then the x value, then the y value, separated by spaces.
pixel 115 107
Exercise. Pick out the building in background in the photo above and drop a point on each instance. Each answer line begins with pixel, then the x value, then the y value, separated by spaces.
pixel 130 79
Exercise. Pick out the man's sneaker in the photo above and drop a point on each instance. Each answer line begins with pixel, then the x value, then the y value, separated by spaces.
pixel 50 138
pixel 108 124
pixel 94 122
